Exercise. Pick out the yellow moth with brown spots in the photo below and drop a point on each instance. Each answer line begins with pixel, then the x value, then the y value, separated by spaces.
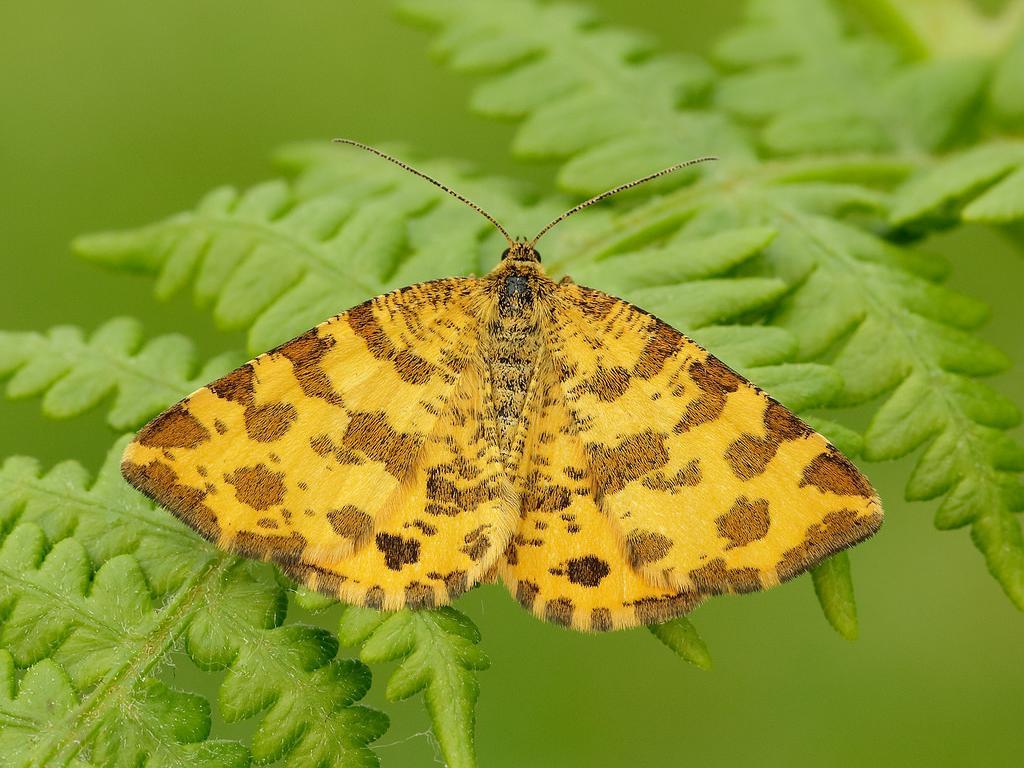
pixel 608 469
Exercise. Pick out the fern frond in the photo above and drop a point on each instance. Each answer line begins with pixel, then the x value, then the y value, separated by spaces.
pixel 162 727
pixel 810 86
pixel 943 28
pixel 102 586
pixel 555 69
pixel 983 184
pixel 1006 93
pixel 438 654
pixel 872 308
pixel 74 374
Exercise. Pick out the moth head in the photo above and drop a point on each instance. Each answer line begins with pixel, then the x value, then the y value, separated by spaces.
pixel 520 250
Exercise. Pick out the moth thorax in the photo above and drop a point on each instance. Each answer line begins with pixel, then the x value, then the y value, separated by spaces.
pixel 514 341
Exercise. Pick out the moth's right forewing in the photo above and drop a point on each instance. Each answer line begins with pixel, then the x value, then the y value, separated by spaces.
pixel 712 485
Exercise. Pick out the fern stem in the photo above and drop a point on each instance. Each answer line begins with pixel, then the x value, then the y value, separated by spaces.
pixel 82 722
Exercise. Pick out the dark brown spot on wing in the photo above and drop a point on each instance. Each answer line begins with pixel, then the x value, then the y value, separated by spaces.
pixel 715 381
pixel 408 365
pixel 160 483
pixel 270 422
pixel 540 495
pixel 596 305
pixel 614 468
pixel 832 472
pixel 446 497
pixel 174 428
pixel 237 386
pixel 643 547
pixel 512 554
pixel 374 598
pixel 285 549
pixel 587 571
pixel 419 595
pixel 455 582
pixel 412 368
pixel 306 353
pixel 687 477
pixel 327 582
pixel 837 530
pixel 526 593
pixel 427 528
pixel 559 611
pixel 351 522
pixel 746 521
pixel 398 551
pixel 715 578
pixel 601 620
pixel 373 436
pixel 477 547
pixel 257 486
pixel 324 446
pixel 749 455
pixel 663 343
pixel 363 321
pixel 656 610
pixel 609 384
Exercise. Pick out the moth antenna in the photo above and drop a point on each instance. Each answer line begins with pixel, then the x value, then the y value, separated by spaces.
pixel 616 190
pixel 432 180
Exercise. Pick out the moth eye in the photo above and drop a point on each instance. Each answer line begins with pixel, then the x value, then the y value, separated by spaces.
pixel 504 254
pixel 537 254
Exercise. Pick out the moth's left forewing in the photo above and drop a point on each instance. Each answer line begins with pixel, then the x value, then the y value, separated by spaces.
pixel 713 486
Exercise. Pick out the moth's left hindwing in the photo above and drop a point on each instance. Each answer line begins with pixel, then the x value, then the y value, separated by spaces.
pixel 360 456
pixel 711 485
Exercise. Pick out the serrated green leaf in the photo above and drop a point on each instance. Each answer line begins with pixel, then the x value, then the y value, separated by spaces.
pixel 438 654
pixel 812 86
pixel 833 585
pixel 679 261
pixel 798 386
pixel 1006 93
pixel 74 374
pixel 175 733
pixel 941 191
pixel 682 638
pixel 706 302
pixel 747 346
pixel 98 581
pixel 1003 202
pixel 845 439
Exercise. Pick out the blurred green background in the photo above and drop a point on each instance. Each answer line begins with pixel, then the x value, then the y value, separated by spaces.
pixel 115 114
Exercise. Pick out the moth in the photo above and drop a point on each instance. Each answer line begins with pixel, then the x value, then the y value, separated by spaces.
pixel 606 468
